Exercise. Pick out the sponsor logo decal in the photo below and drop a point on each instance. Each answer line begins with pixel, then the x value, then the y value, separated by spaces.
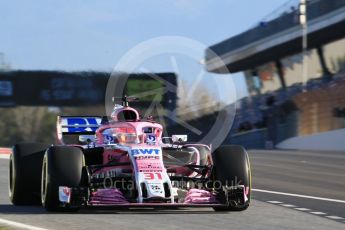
pixel 64 194
pixel 83 123
pixel 151 139
pixel 156 188
pixel 108 139
pixel 145 151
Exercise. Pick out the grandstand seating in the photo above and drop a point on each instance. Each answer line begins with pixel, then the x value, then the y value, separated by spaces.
pixel 315 105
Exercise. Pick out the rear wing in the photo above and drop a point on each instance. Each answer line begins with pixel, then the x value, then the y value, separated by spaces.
pixel 77 125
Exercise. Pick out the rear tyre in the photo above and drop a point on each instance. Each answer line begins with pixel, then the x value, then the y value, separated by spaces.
pixel 232 168
pixel 25 173
pixel 62 166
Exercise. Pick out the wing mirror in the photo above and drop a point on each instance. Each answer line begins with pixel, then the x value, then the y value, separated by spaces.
pixel 179 138
pixel 86 138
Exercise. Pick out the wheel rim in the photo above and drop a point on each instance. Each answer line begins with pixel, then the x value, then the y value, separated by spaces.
pixel 44 181
pixel 11 177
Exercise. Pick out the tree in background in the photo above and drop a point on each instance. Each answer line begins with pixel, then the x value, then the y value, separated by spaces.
pixel 37 124
pixel 197 104
pixel 26 124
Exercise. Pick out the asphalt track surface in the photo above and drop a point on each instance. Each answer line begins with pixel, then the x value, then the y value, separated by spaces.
pixel 279 180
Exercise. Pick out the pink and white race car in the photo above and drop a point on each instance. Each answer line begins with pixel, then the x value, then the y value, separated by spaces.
pixel 124 162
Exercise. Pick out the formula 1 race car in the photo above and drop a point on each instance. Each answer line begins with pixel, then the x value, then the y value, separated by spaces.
pixel 123 162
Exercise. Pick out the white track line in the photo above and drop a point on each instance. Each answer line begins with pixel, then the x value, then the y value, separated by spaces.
pixel 20 225
pixel 288 205
pixel 302 209
pixel 335 217
pixel 318 213
pixel 306 209
pixel 299 195
pixel 274 202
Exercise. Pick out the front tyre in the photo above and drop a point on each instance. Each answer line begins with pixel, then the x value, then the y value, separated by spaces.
pixel 232 172
pixel 24 177
pixel 62 166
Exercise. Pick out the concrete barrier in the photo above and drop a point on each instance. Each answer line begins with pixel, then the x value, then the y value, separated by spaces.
pixel 328 141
